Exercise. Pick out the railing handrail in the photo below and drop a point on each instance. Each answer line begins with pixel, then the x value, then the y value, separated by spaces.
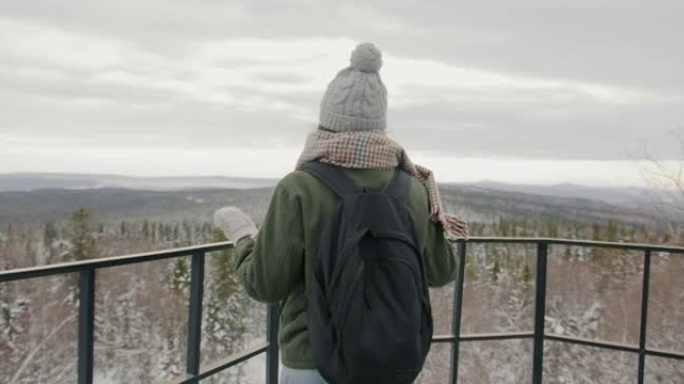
pixel 87 268
pixel 110 261
pixel 576 242
pixel 114 261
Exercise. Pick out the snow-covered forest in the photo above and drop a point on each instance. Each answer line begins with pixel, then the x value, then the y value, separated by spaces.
pixel 141 310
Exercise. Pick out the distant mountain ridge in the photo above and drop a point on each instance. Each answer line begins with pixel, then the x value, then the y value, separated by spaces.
pixel 117 204
pixel 26 198
pixel 613 195
pixel 26 182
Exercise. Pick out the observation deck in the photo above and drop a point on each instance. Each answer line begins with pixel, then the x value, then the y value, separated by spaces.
pixel 538 335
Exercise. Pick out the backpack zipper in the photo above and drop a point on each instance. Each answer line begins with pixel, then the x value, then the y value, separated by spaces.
pixel 344 307
pixel 334 279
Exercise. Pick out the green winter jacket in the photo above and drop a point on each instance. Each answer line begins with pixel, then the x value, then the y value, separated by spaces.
pixel 278 264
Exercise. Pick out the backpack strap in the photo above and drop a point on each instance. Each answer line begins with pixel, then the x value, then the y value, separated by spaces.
pixel 400 186
pixel 332 177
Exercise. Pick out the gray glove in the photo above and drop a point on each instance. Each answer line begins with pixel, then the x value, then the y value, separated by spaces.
pixel 234 223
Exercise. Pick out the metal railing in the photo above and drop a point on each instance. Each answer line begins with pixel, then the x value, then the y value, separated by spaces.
pixel 538 334
pixel 86 310
pixel 87 281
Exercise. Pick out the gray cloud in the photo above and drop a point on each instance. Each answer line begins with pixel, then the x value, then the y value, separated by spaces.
pixel 616 41
pixel 531 79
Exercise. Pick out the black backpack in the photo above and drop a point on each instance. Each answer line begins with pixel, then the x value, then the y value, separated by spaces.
pixel 368 305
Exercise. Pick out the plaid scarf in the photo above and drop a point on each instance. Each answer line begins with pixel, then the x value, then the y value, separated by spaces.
pixel 374 150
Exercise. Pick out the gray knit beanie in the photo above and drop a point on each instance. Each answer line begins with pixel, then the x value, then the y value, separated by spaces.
pixel 356 99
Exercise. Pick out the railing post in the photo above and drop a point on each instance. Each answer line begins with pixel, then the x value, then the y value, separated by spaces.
pixel 539 312
pixel 272 359
pixel 86 325
pixel 644 314
pixel 195 314
pixel 456 312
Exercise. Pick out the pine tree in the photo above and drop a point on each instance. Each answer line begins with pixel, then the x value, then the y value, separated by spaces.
pixel 175 234
pixel 49 234
pixel 595 231
pixel 146 229
pixel 527 273
pixel 29 248
pixel 180 274
pixel 81 235
pixel 611 232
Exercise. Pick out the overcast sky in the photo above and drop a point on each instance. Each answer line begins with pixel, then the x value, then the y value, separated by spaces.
pixel 533 91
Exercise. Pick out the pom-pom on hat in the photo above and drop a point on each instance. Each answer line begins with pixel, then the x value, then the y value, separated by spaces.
pixel 356 99
pixel 366 58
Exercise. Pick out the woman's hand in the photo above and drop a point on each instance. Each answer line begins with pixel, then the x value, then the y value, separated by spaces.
pixel 234 223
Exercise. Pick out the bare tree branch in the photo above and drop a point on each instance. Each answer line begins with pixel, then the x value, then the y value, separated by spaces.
pixel 32 353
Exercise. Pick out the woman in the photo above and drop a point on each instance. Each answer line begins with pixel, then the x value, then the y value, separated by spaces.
pixel 275 263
